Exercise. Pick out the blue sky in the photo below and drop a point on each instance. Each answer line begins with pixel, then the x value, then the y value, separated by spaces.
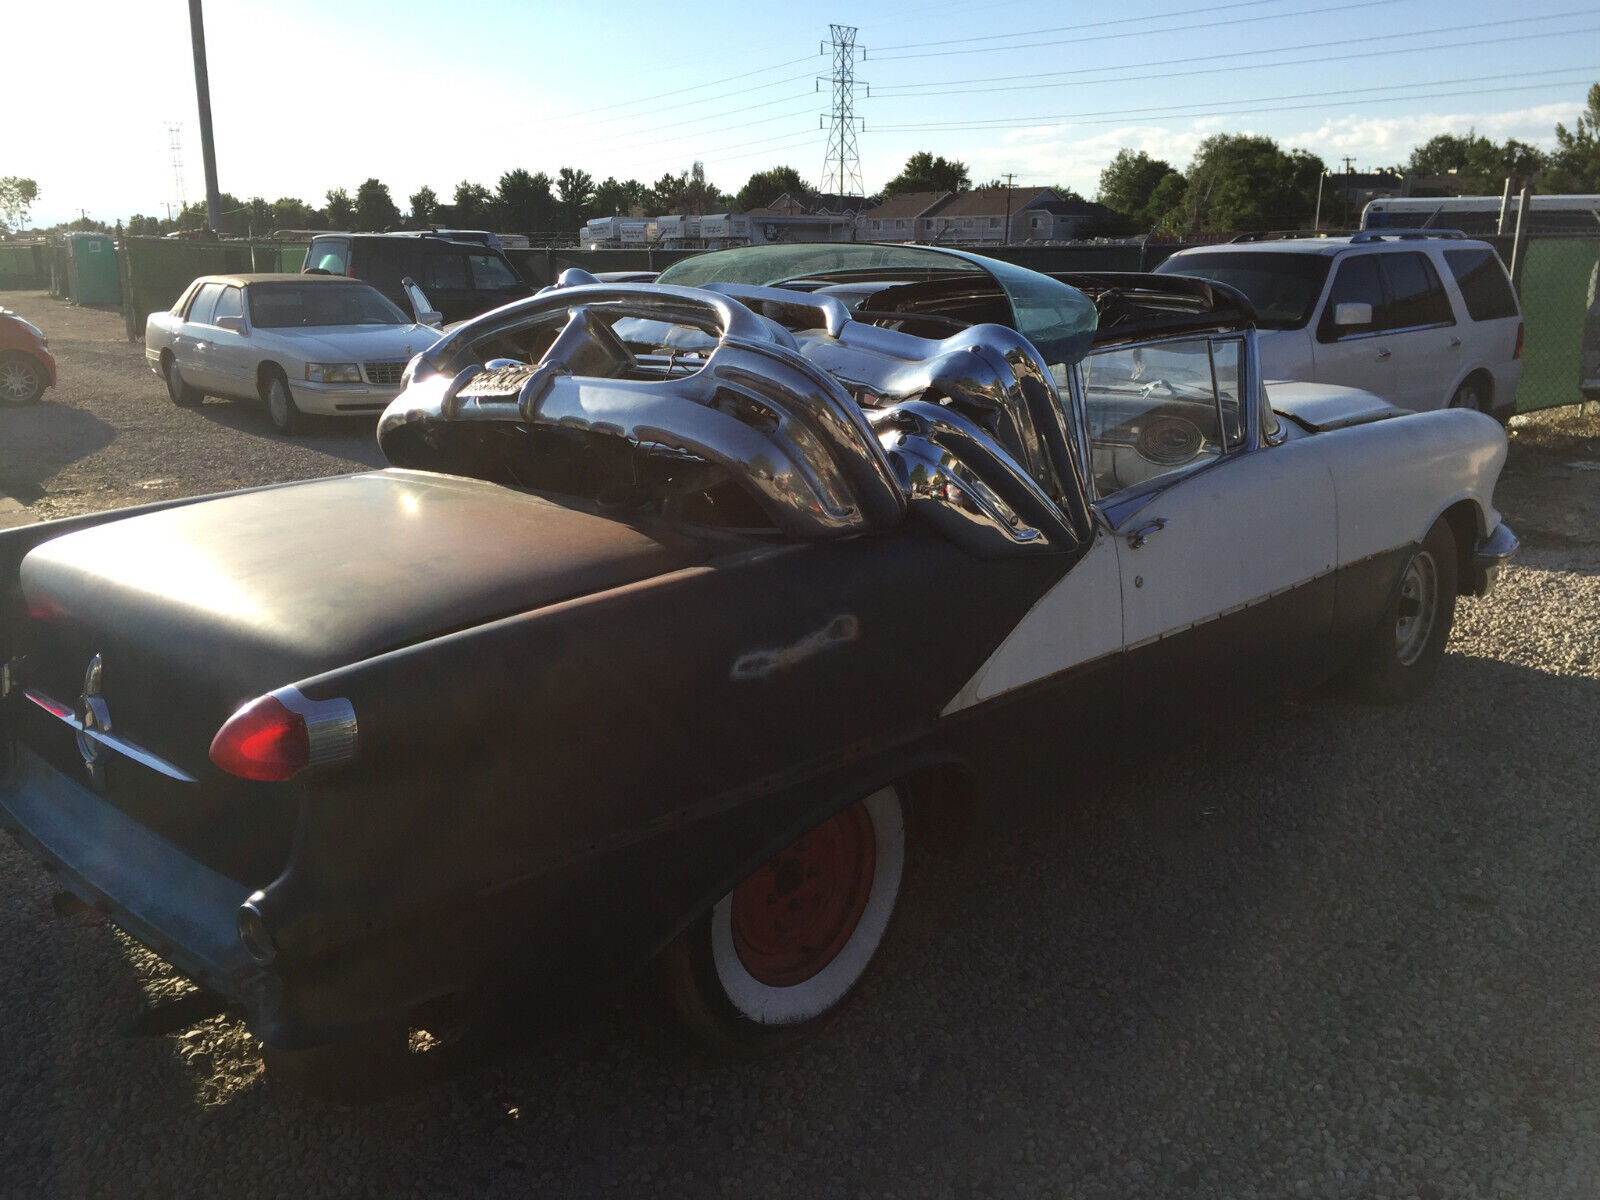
pixel 308 97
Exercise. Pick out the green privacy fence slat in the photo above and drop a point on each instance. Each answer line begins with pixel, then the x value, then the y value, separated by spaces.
pixel 156 270
pixel 1555 286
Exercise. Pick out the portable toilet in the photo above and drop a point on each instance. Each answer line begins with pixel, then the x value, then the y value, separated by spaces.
pixel 92 269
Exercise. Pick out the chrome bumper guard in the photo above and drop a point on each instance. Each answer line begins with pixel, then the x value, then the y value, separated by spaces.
pixel 1490 554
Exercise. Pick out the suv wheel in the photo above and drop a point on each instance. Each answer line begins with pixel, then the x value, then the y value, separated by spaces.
pixel 1471 394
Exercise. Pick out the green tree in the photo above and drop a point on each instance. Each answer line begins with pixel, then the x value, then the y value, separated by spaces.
pixel 375 208
pixel 473 207
pixel 341 213
pixel 525 203
pixel 1478 164
pixel 924 172
pixel 424 203
pixel 290 213
pixel 575 190
pixel 16 201
pixel 1130 180
pixel 618 199
pixel 1575 163
pixel 1244 182
pixel 1164 210
pixel 764 187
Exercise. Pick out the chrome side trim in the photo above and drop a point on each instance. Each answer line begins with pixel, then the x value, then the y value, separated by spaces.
pixel 330 725
pixel 105 737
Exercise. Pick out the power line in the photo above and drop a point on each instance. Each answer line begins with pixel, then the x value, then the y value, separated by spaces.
pixel 660 108
pixel 945 85
pixel 638 100
pixel 809 107
pixel 1033 33
pixel 1033 43
pixel 1249 106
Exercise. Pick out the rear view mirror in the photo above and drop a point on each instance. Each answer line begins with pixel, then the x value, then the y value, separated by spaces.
pixel 431 319
pixel 232 324
pixel 1352 314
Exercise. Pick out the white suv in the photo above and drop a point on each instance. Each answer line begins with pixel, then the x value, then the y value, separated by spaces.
pixel 1424 320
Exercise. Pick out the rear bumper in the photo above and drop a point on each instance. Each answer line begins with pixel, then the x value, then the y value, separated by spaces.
pixel 1490 554
pixel 181 909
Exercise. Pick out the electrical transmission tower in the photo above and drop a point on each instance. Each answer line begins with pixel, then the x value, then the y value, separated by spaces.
pixel 175 139
pixel 841 169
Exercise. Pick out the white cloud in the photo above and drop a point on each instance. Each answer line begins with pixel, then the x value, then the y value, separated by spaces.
pixel 1386 141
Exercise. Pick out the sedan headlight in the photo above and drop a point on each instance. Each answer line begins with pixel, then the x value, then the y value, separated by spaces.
pixel 333 372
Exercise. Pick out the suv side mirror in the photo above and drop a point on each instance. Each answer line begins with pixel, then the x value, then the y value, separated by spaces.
pixel 420 307
pixel 1353 313
pixel 232 324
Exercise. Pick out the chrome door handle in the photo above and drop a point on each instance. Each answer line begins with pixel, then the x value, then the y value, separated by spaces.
pixel 1382 354
pixel 1139 536
pixel 1455 343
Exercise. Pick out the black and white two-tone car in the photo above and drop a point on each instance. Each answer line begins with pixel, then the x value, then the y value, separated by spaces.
pixel 682 608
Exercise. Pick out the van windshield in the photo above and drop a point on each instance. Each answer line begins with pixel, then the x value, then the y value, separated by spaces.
pixel 1282 288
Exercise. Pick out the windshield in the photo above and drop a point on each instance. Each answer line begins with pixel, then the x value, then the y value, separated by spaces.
pixel 1059 320
pixel 295 305
pixel 1282 288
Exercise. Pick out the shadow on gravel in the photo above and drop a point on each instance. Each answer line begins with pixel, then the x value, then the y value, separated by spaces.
pixel 339 435
pixel 1306 941
pixel 38 440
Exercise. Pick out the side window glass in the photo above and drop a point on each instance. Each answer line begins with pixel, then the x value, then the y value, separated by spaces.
pixel 490 274
pixel 229 304
pixel 1355 282
pixel 205 304
pixel 1152 411
pixel 331 255
pixel 1227 362
pixel 447 270
pixel 1483 283
pixel 1416 297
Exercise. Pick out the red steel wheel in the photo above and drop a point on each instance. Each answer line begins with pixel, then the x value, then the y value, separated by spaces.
pixel 792 917
pixel 778 955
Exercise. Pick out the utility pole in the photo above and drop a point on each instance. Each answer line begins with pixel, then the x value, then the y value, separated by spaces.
pixel 842 164
pixel 1010 178
pixel 202 90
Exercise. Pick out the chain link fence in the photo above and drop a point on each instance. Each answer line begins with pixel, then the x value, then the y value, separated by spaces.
pixel 1558 281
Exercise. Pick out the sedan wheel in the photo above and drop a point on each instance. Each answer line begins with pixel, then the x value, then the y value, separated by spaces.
pixel 1404 651
pixel 22 380
pixel 281 408
pixel 179 392
pixel 780 953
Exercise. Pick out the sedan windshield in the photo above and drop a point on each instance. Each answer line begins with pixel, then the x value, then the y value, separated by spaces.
pixel 1282 288
pixel 295 305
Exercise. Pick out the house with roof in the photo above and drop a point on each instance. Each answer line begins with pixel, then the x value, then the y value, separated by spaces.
pixel 897 218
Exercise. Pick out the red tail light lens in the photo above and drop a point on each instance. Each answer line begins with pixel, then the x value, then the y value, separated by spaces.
pixel 1517 353
pixel 263 740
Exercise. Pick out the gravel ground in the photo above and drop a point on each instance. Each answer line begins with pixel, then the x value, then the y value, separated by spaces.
pixel 1324 950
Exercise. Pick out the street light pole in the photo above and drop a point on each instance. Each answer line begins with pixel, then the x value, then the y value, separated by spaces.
pixel 1316 221
pixel 202 90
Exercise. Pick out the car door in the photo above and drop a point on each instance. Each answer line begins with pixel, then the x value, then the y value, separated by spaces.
pixel 191 347
pixel 230 352
pixel 1226 546
pixel 1355 354
pixel 1420 331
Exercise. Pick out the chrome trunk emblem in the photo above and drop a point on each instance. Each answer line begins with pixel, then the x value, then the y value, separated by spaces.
pixel 95 716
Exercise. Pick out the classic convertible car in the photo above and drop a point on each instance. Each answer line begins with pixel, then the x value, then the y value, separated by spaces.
pixel 683 611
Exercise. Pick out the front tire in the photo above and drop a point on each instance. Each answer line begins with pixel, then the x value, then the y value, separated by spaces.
pixel 22 379
pixel 1402 656
pixel 281 408
pixel 779 955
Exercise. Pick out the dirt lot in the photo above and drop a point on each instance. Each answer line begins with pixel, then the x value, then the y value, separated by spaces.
pixel 1326 950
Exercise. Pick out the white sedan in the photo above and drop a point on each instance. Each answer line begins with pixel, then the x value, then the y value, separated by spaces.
pixel 319 344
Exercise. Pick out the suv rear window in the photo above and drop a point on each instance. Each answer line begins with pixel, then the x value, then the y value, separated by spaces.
pixel 490 274
pixel 1483 283
pixel 329 254
pixel 1282 288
